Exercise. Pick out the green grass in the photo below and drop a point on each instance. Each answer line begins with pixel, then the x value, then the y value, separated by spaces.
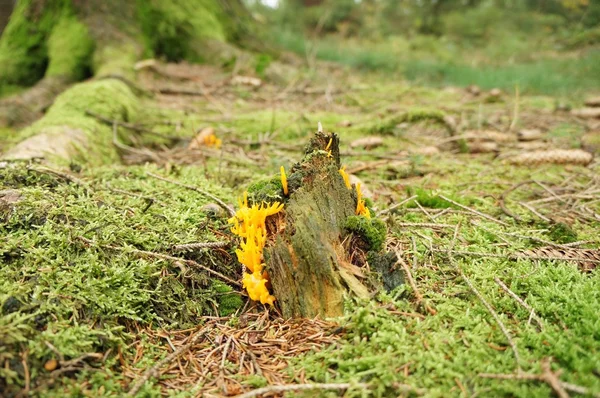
pixel 439 62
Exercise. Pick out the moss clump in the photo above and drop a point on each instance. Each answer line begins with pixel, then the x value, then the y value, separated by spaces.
pixel 373 230
pixel 266 190
pixel 561 233
pixel 172 28
pixel 428 199
pixel 412 116
pixel 69 49
pixel 229 301
pixel 110 97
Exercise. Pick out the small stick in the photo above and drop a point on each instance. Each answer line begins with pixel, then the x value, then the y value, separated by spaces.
pixel 394 207
pixel 298 387
pixel 411 280
pixel 424 225
pixel 199 245
pixel 130 126
pixel 520 301
pixel 68 177
pixel 534 211
pixel 547 376
pixel 154 371
pixel 224 205
pixel 484 302
pixel 512 256
pixel 165 257
pixel 488 217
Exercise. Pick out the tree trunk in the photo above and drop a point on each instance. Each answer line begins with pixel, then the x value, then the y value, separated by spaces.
pixel 58 42
pixel 319 255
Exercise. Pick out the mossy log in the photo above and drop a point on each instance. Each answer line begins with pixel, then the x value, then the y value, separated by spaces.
pixel 317 257
pixel 55 43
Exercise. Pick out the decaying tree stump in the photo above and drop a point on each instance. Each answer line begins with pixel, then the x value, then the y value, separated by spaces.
pixel 320 246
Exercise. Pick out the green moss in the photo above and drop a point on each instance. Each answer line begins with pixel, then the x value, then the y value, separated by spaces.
pixel 83 297
pixel 373 230
pixel 266 190
pixel 412 116
pixel 561 233
pixel 173 29
pixel 229 301
pixel 69 49
pixel 428 199
pixel 109 97
pixel 23 48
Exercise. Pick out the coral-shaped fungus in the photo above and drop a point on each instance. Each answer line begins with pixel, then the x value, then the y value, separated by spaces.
pixel 249 224
pixel 284 181
pixel 361 207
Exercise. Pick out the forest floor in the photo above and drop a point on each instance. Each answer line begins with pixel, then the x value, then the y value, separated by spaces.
pixel 99 298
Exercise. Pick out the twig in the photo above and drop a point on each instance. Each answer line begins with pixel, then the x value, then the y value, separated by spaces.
pixel 416 291
pixel 394 207
pixel 547 376
pixel 154 371
pixel 520 301
pixel 299 387
pixel 534 211
pixel 68 177
pixel 488 217
pixel 515 115
pixel 513 256
pixel 224 205
pixel 144 153
pixel 484 302
pixel 164 257
pixel 199 245
pixel 129 126
pixel 424 225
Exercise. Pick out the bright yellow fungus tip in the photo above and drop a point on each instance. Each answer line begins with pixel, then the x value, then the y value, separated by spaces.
pixel 212 140
pixel 361 208
pixel 249 224
pixel 329 144
pixel 345 177
pixel 284 181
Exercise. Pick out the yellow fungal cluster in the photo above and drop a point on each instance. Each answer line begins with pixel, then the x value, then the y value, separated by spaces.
pixel 212 140
pixel 284 181
pixel 361 207
pixel 249 224
pixel 345 177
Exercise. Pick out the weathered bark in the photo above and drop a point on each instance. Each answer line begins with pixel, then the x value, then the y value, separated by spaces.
pixel 315 260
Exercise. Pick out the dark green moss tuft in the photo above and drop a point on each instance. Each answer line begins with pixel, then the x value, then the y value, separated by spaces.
pixel 266 190
pixel 229 300
pixel 428 199
pixel 561 233
pixel 372 230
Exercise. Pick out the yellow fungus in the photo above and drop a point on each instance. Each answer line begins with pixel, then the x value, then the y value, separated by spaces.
pixel 329 144
pixel 361 208
pixel 249 224
pixel 345 177
pixel 284 181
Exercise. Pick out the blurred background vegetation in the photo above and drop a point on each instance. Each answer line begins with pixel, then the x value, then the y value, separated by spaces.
pixel 543 46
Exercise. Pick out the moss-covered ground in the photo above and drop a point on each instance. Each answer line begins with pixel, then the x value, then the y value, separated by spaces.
pixel 80 272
